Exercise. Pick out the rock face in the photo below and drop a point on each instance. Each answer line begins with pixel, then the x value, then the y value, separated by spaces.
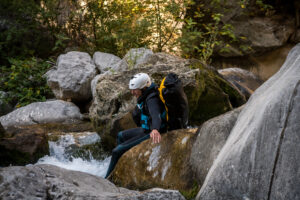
pixel 269 33
pixel 208 94
pixel 4 107
pixel 260 159
pixel 20 146
pixel 261 31
pixel 51 182
pixel 244 80
pixel 71 79
pixel 210 140
pixel 164 165
pixel 105 61
pixel 57 111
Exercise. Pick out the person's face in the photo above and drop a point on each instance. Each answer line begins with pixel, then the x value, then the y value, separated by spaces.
pixel 136 92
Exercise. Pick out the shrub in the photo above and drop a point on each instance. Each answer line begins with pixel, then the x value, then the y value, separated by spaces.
pixel 24 81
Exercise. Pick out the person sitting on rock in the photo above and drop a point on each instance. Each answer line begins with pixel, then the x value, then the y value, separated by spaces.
pixel 149 115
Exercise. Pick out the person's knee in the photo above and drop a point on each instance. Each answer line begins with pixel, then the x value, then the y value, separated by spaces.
pixel 117 151
pixel 120 137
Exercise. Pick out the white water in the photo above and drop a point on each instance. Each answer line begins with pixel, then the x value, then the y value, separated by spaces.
pixel 59 158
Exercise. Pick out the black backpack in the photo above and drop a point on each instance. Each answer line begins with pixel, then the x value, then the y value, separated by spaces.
pixel 172 95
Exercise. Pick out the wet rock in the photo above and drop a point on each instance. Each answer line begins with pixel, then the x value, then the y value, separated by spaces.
pixel 22 146
pixel 210 140
pixel 51 182
pixel 244 80
pixel 71 78
pixel 69 145
pixel 105 61
pixel 260 159
pixel 208 94
pixel 163 165
pixel 57 111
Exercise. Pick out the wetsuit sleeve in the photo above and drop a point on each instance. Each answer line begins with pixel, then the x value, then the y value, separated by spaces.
pixel 154 111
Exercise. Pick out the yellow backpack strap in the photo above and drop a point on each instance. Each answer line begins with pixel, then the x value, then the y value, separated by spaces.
pixel 161 87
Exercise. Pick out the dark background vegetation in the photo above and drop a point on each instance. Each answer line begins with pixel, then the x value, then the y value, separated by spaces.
pixel 34 32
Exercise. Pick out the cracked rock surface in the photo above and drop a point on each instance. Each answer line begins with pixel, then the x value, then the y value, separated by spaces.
pixel 260 159
pixel 51 182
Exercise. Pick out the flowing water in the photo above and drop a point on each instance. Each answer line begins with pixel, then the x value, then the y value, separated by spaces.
pixel 60 157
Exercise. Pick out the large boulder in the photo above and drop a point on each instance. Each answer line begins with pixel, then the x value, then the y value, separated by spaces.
pixel 51 182
pixel 165 165
pixel 20 146
pixel 260 159
pixel 244 80
pixel 105 61
pixel 72 76
pixel 56 111
pixel 208 94
pixel 210 140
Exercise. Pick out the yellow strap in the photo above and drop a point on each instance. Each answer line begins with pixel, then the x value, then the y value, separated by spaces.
pixel 161 87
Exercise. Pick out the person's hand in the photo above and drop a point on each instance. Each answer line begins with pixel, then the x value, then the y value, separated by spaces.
pixel 155 136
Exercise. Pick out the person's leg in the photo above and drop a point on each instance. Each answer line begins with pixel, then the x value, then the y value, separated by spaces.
pixel 128 134
pixel 135 139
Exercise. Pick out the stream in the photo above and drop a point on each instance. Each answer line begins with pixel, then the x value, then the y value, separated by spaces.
pixel 60 157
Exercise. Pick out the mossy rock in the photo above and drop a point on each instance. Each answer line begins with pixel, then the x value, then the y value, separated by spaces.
pixel 164 165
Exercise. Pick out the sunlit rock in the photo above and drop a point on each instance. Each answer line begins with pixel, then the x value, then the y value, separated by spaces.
pixel 71 78
pixel 260 159
pixel 163 165
pixel 137 56
pixel 57 111
pixel 105 61
pixel 244 80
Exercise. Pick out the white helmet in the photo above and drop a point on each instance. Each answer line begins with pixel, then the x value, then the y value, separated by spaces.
pixel 139 81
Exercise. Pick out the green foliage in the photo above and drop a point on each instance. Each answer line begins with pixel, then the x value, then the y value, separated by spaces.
pixel 21 33
pixel 192 193
pixel 204 33
pixel 24 81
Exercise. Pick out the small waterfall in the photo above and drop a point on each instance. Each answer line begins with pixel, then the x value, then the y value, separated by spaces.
pixel 60 156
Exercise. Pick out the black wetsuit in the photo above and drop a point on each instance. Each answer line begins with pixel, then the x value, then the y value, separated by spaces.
pixel 149 114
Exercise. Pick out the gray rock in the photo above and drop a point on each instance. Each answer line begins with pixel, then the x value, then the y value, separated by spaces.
pixel 94 83
pixel 71 79
pixel 105 61
pixel 137 56
pixel 260 159
pixel 210 140
pixel 4 107
pixel 51 182
pixel 57 111
pixel 154 194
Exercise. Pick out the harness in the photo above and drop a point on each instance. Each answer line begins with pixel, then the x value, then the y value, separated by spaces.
pixel 145 118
